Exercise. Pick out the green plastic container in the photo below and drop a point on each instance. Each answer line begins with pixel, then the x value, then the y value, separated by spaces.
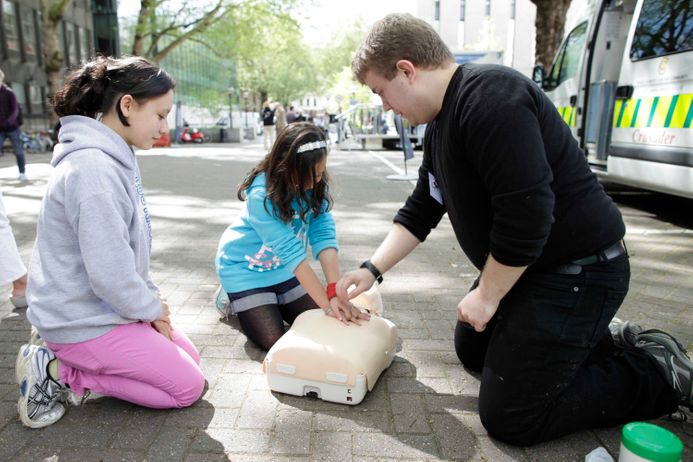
pixel 642 441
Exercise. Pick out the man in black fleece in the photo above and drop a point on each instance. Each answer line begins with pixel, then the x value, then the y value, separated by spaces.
pixel 532 217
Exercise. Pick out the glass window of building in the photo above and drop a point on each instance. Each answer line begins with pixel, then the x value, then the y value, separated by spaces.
pixel 19 93
pixel 9 19
pixel 462 8
pixel 28 31
pixel 436 14
pixel 35 100
pixel 664 27
pixel 487 8
pixel 71 44
pixel 85 49
pixel 513 7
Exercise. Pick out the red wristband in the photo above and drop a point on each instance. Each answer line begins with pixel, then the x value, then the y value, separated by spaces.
pixel 331 290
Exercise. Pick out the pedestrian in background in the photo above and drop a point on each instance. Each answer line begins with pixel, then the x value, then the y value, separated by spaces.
pixel 291 115
pixel 105 326
pixel 280 117
pixel 10 121
pixel 12 269
pixel 547 240
pixel 262 258
pixel 268 124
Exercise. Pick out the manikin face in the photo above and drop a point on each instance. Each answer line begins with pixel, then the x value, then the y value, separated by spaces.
pixel 147 119
pixel 397 94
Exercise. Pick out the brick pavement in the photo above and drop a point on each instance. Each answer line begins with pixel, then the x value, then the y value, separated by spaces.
pixel 423 408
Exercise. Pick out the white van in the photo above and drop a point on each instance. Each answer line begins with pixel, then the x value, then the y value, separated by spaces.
pixel 623 81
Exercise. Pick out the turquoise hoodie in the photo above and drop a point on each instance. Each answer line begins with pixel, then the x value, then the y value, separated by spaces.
pixel 260 250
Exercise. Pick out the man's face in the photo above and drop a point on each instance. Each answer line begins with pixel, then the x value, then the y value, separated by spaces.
pixel 396 94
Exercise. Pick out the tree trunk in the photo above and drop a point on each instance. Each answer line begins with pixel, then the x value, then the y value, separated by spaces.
pixel 141 28
pixel 52 14
pixel 549 29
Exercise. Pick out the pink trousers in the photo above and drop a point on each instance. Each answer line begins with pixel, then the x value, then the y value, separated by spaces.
pixel 135 363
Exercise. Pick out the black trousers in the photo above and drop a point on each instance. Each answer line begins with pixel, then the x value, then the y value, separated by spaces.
pixel 549 366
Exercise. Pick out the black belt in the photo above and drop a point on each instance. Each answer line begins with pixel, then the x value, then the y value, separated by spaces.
pixel 603 256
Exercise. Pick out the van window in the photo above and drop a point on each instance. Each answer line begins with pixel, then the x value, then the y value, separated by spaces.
pixel 568 58
pixel 664 27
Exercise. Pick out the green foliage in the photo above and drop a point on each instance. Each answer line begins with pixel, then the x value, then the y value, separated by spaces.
pixel 263 40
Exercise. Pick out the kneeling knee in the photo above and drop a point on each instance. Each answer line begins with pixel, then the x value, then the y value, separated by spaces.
pixel 191 392
pixel 510 427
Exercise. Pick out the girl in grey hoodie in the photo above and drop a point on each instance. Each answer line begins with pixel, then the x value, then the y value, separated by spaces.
pixel 105 327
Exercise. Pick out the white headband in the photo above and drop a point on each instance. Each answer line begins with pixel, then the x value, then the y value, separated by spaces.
pixel 311 146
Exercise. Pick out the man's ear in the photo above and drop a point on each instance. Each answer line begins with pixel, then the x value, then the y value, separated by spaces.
pixel 408 68
pixel 126 103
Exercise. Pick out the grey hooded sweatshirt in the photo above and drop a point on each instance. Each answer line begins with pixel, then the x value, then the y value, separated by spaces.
pixel 89 271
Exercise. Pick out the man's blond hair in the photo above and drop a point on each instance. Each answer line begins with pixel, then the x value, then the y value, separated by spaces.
pixel 399 36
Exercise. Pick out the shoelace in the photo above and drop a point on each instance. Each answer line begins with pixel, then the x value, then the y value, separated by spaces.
pixel 42 397
pixel 65 395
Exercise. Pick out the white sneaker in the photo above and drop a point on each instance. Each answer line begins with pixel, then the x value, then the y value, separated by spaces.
pixel 221 300
pixel 34 339
pixel 38 404
pixel 22 177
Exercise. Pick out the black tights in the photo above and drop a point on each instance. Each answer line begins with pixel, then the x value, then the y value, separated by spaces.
pixel 264 324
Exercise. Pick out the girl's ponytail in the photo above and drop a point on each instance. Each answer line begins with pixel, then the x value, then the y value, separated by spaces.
pixel 83 91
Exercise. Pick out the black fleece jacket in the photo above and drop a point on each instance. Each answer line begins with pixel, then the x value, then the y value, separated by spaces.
pixel 513 180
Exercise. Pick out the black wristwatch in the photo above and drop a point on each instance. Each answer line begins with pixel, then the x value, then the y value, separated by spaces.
pixel 374 271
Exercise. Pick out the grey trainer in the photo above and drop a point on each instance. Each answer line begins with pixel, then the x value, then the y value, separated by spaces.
pixel 673 359
pixel 624 333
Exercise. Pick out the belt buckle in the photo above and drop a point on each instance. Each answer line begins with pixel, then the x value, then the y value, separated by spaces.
pixel 612 252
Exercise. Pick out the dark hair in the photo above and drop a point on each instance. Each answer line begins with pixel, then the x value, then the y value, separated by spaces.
pixel 399 36
pixel 96 86
pixel 287 172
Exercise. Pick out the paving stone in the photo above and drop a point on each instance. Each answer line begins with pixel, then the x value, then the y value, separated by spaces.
pixel 455 439
pixel 291 433
pixel 106 455
pixel 141 430
pixel 171 444
pixel 217 440
pixel 13 437
pixel 92 425
pixel 257 411
pixel 353 420
pixel 400 446
pixel 33 454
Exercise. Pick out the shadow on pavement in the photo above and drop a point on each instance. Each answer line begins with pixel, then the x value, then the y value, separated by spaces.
pixel 99 429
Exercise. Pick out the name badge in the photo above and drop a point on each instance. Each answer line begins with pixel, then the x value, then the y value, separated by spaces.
pixel 435 190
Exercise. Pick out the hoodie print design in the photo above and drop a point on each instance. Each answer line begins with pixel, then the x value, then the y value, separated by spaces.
pixel 266 260
pixel 143 208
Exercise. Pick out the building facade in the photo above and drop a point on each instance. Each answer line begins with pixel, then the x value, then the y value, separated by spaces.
pixel 21 52
pixel 492 31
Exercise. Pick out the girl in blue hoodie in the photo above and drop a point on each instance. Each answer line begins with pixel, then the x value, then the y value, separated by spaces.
pixel 103 326
pixel 262 257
